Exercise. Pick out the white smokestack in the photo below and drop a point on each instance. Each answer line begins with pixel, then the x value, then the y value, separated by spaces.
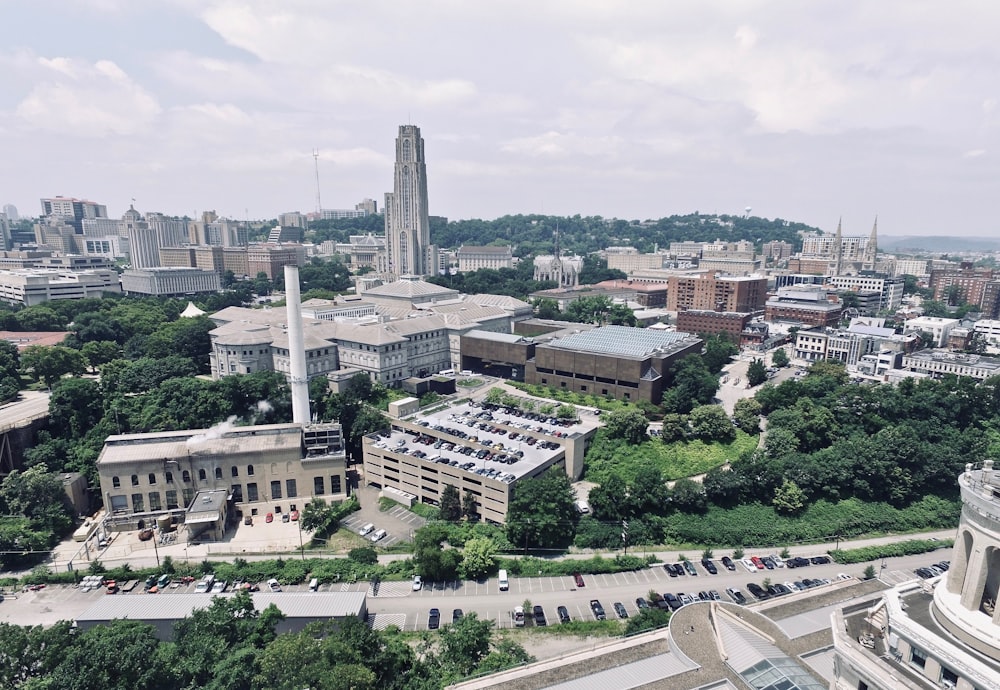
pixel 296 348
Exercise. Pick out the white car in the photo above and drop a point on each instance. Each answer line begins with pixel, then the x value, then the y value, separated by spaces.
pixel 219 587
pixel 366 529
pixel 749 565
pixel 273 585
pixel 379 534
pixel 778 561
pixel 417 583
pixel 792 586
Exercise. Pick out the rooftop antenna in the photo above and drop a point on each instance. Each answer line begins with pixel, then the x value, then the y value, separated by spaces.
pixel 319 205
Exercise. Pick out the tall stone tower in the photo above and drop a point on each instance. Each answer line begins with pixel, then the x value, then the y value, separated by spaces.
pixel 871 249
pixel 407 226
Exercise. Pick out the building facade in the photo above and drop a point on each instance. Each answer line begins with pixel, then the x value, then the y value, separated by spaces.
pixel 407 223
pixel 170 281
pixel 938 363
pixel 710 292
pixel 713 323
pixel 73 211
pixel 35 286
pixel 473 258
pixel 269 468
pixel 889 289
pixel 810 305
pixel 271 259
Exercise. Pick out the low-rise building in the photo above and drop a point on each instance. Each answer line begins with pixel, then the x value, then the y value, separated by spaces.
pixel 472 258
pixel 33 286
pixel 810 305
pixel 936 327
pixel 938 363
pixel 175 280
pixel 615 361
pixel 706 322
pixel 267 468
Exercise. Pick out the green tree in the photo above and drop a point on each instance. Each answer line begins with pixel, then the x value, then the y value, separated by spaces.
pixel 711 423
pixel 719 351
pixel 691 384
pixel 546 308
pixel 628 423
pixel 430 559
pixel 49 364
pixel 463 645
pixel 675 427
pixel 688 496
pixel 542 512
pixel 451 505
pixel 38 495
pixel 779 358
pixel 746 414
pixel 99 352
pixel 722 486
pixel 28 653
pixel 789 499
pixel 470 506
pixel 647 619
pixel 756 373
pixel 75 407
pixel 478 558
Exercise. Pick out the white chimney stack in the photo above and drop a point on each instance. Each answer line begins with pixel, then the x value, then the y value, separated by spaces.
pixel 296 347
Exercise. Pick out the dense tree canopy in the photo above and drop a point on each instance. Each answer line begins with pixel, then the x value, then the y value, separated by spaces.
pixel 542 512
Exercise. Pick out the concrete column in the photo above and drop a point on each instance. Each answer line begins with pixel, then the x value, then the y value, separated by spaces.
pixel 975 579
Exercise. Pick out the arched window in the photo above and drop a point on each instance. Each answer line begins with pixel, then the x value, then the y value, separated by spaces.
pixel 218 473
pixel 170 477
pixel 186 476
pixel 152 477
pixel 202 474
pixel 116 482
pixel 250 470
pixel 235 471
pixel 135 480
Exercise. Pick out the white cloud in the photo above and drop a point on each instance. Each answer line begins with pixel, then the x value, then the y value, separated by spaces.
pixel 79 98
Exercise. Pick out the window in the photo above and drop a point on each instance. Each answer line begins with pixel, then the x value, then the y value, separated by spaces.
pixel 218 473
pixel 237 491
pixel 135 480
pixel 318 486
pixel 154 501
pixel 290 488
pixel 948 677
pixel 917 657
pixel 235 471
pixel 335 484
pixel 202 474
pixel 250 470
pixel 276 489
pixel 252 495
pixel 186 476
pixel 172 499
pixel 138 506
pixel 169 477
pixel 152 478
pixel 188 495
pixel 116 482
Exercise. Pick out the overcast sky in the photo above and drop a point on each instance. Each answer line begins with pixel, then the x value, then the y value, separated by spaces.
pixel 807 111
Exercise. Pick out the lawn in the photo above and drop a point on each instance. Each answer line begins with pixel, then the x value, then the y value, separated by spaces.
pixel 675 460
pixel 569 397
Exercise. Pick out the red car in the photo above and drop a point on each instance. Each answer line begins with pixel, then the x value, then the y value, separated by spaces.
pixel 579 579
pixel 269 517
pixel 757 562
pixel 295 515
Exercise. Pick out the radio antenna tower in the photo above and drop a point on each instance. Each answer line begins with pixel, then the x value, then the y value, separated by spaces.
pixel 319 206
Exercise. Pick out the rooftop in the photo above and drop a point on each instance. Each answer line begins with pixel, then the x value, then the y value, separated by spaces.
pixel 624 341
pixel 219 440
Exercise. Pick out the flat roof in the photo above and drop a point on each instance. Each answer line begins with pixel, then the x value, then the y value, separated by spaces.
pixel 219 440
pixel 208 502
pixel 499 337
pixel 169 606
pixel 624 341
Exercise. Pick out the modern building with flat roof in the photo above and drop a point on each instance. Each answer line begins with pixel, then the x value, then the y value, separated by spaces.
pixel 423 453
pixel 266 468
pixel 163 611
pixel 615 361
pixel 174 280
pixel 938 363
pixel 31 286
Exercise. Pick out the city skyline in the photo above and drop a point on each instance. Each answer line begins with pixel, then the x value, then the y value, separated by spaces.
pixel 805 112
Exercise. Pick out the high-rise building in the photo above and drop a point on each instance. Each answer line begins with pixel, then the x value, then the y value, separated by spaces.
pixel 143 242
pixel 73 211
pixel 5 241
pixel 10 210
pixel 407 225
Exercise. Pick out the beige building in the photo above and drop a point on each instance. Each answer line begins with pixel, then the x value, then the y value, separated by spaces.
pixel 473 258
pixel 33 286
pixel 269 468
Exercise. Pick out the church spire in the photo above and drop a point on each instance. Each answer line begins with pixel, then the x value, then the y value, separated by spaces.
pixel 871 249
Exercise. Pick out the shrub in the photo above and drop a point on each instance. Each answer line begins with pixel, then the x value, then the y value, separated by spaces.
pixel 901 548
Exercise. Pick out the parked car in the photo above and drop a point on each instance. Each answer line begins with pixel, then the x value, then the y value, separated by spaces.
pixel 669 567
pixel 641 603
pixel 364 531
pixel 379 534
pixel 417 583
pixel 689 566
pixel 285 517
pixel 434 619
pixel 456 615
pixel 269 517
pixel 273 585
pixel 714 595
pixel 578 579
pixel 768 562
pixel 563 614
pixel 598 610
pixel 749 565
pixel 248 520
pixel 219 587
pixel 819 560
pixel 708 565
pixel 728 562
pixel 759 564
pixel 539 613
pixel 757 591
pixel 294 515
pixel 620 609
pixel 736 595
pixel 672 601
pixel 685 599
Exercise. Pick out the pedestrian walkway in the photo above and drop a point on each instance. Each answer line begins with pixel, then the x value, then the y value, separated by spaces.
pixel 381 621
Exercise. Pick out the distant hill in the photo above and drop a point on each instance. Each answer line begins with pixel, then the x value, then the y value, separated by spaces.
pixel 937 243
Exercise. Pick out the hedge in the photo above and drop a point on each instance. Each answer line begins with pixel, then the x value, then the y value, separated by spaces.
pixel 901 548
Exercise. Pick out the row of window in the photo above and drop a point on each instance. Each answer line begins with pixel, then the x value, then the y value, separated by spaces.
pixel 253 494
pixel 185 476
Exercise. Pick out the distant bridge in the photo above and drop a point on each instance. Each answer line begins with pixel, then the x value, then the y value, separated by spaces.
pixel 19 421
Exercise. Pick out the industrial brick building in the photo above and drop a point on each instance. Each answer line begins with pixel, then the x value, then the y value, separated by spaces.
pixel 713 323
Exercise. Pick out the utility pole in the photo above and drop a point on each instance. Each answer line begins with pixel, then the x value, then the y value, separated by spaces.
pixel 625 535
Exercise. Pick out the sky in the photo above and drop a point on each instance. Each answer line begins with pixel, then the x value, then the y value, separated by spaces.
pixel 807 111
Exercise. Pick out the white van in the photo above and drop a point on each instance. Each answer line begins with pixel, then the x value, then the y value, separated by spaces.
pixel 582 507
pixel 518 616
pixel 365 529
pixel 377 535
pixel 313 585
pixel 504 583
